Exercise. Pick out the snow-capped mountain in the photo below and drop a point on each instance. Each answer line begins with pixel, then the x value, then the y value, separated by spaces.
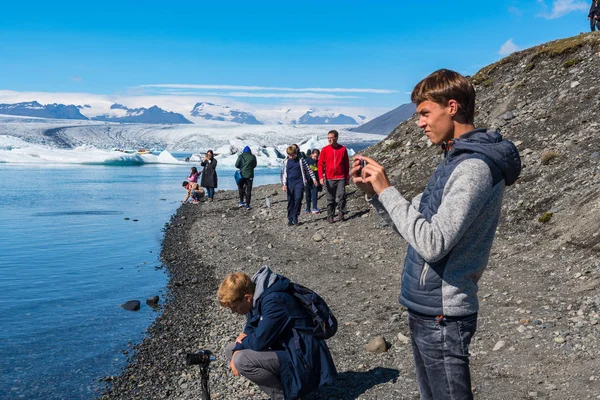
pixel 152 115
pixel 118 113
pixel 286 116
pixel 215 112
pixel 324 117
pixel 35 109
pixel 134 110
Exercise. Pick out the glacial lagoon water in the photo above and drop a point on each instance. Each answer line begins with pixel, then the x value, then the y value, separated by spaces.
pixel 76 241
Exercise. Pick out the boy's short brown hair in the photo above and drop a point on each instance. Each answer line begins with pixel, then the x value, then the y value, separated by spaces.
pixel 291 150
pixel 233 288
pixel 444 85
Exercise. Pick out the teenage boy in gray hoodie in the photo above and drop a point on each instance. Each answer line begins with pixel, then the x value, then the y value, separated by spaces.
pixel 450 228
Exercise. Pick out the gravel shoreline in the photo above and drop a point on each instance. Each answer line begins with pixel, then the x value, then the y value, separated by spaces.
pixel 356 265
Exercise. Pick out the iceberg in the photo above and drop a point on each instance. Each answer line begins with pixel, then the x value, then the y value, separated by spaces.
pixel 81 155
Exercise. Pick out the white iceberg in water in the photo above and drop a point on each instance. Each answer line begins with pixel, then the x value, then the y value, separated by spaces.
pixel 80 155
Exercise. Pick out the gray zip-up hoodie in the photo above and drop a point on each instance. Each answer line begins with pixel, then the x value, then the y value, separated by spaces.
pixel 450 227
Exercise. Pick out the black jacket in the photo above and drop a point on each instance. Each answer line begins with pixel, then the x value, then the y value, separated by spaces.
pixel 594 10
pixel 209 174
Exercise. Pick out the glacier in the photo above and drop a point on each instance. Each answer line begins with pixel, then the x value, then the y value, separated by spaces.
pixel 33 140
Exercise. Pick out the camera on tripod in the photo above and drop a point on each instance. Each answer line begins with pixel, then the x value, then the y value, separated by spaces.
pixel 201 358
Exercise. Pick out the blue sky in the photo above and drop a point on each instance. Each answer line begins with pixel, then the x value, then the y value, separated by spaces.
pixel 252 51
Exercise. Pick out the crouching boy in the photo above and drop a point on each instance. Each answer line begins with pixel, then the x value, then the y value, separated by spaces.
pixel 276 350
pixel 194 191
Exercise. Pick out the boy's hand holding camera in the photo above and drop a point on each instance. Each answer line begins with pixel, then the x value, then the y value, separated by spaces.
pixel 369 176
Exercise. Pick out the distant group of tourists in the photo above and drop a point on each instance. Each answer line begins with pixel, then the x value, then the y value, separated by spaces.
pixel 594 15
pixel 302 175
pixel 450 228
pixel 307 173
pixel 208 180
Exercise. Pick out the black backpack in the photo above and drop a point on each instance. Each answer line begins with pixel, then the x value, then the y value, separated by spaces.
pixel 323 319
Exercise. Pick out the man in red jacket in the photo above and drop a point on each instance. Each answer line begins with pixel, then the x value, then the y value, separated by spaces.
pixel 334 169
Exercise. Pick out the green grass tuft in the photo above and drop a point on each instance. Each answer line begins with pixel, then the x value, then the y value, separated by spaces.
pixel 546 217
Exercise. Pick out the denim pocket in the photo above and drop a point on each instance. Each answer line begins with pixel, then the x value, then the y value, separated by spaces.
pixel 466 330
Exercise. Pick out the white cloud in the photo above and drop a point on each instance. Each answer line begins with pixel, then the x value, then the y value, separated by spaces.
pixel 76 79
pixel 507 48
pixel 303 95
pixel 563 7
pixel 516 11
pixel 260 88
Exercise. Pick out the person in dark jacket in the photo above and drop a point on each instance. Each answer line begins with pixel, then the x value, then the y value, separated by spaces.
pixel 209 174
pixel 276 350
pixel 450 228
pixel 246 163
pixel 594 15
pixel 311 191
pixel 295 175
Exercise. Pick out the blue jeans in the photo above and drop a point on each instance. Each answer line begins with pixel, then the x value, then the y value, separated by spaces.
pixel 294 198
pixel 311 192
pixel 210 192
pixel 441 352
pixel 197 195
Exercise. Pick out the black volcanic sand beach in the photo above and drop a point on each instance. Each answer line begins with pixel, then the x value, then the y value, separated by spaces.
pixel 520 350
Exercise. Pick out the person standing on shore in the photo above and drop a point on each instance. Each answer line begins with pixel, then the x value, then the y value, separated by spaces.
pixel 209 174
pixel 334 166
pixel 450 228
pixel 246 163
pixel 277 350
pixel 311 190
pixel 295 175
pixel 594 15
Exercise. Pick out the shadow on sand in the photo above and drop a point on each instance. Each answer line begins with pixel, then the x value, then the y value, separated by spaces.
pixel 350 384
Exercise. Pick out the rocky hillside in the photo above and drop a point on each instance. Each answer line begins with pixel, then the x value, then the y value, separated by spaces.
pixel 547 100
pixel 542 287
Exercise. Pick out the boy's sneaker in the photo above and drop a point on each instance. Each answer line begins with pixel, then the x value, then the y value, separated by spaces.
pixel 315 211
pixel 341 215
pixel 247 207
pixel 194 201
pixel 241 204
pixel 330 219
pixel 307 211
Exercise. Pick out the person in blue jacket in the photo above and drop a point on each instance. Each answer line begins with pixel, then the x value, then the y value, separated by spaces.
pixel 276 350
pixel 295 176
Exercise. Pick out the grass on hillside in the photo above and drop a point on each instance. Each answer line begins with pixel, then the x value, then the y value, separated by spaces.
pixel 552 49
